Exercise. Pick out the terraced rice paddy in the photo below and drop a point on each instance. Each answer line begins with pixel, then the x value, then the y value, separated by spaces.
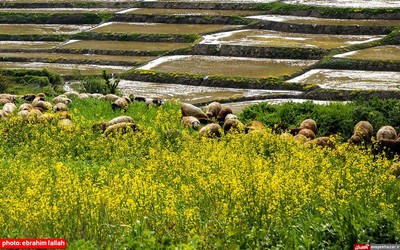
pixel 160 28
pixel 193 94
pixel 27 45
pixel 228 66
pixel 60 10
pixel 389 52
pixel 66 69
pixel 350 79
pixel 327 21
pixel 93 57
pixel 270 38
pixel 189 12
pixel 41 29
pixel 123 45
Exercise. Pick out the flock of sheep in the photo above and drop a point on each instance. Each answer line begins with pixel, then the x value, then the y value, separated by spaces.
pixel 213 121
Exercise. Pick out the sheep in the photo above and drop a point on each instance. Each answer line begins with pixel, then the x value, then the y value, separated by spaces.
pixel 309 124
pixel 323 141
pixel 9 108
pixel 9 97
pixel 71 94
pixel 254 126
pixel 3 115
pixel 154 101
pixel 97 95
pixel 231 116
pixel 386 132
pixel 37 99
pixel 109 97
pixel 191 110
pixel 4 101
pixel 233 125
pixel 191 121
pixel 60 107
pixel 25 106
pixel 390 147
pixel 210 130
pixel 213 109
pixel 121 103
pixel 65 124
pixel 308 133
pixel 362 133
pixel 61 99
pixel 42 105
pixel 122 127
pixel 101 126
pixel 223 113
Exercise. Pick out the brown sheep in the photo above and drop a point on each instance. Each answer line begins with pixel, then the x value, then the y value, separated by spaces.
pixel 307 133
pixel 223 113
pixel 191 121
pixel 310 124
pixel 29 97
pixel 25 106
pixel 60 107
pixel 101 126
pixel 254 125
pixel 386 132
pixel 388 146
pixel 213 109
pixel 324 141
pixel 191 110
pixel 122 128
pixel 210 130
pixel 362 133
pixel 233 125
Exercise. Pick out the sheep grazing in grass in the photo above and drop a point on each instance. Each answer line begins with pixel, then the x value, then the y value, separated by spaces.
pixel 3 114
pixel 233 125
pixel 362 133
pixel 71 94
pixel 386 132
pixel 25 106
pixel 43 105
pixel 213 109
pixel 223 113
pixel 65 124
pixel 101 126
pixel 4 101
pixel 121 128
pixel 254 126
pixel 191 110
pixel 61 99
pixel 324 141
pixel 211 130
pixel 109 97
pixel 191 121
pixel 308 133
pixel 121 103
pixel 60 107
pixel 9 97
pixel 154 101
pixel 84 96
pixel 9 108
pixel 29 97
pixel 231 117
pixel 389 147
pixel 309 124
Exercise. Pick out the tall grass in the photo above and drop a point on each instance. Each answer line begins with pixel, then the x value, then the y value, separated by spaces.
pixel 163 187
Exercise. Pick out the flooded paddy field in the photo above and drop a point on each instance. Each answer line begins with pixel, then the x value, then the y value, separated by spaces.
pixel 66 69
pixel 160 28
pixel 271 38
pixel 42 29
pixel 193 94
pixel 27 45
pixel 349 3
pixel 134 60
pixel 189 12
pixel 228 66
pixel 60 10
pixel 350 79
pixel 384 53
pixel 326 21
pixel 123 45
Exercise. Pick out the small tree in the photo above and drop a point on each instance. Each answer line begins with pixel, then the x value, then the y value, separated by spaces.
pixel 111 83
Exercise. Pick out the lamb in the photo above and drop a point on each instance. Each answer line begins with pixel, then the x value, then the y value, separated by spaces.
pixel 121 103
pixel 101 126
pixel 210 130
pixel 191 121
pixel 386 132
pixel 362 133
pixel 213 109
pixel 122 127
pixel 191 110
